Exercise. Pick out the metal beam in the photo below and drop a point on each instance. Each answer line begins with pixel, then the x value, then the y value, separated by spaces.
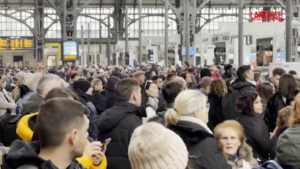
pixel 281 3
pixel 148 15
pixel 202 5
pixel 140 33
pixel 288 28
pixel 166 33
pixel 241 33
pixel 39 30
pixel 222 15
pixel 52 4
pixel 187 29
pixel 100 20
pixel 126 30
pixel 84 5
pixel 108 42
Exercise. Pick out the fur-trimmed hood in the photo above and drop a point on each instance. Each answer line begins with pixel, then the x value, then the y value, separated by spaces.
pixel 244 153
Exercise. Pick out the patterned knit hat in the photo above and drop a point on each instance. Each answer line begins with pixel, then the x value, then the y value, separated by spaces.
pixel 152 146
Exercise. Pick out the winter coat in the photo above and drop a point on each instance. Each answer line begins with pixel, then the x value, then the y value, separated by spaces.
pixel 27 153
pixel 257 135
pixel 33 104
pixel 118 123
pixel 93 126
pixel 99 102
pixel 288 147
pixel 215 113
pixel 203 149
pixel 274 105
pixel 244 153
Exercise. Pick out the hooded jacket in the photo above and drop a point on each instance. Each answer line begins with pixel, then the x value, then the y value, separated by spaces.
pixel 204 152
pixel 244 153
pixel 118 123
pixel 23 153
pixel 288 147
pixel 110 88
pixel 25 132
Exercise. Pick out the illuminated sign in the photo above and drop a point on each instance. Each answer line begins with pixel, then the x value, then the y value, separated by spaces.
pixel 28 43
pixel 16 44
pixel 21 43
pixel 70 50
pixel 266 16
pixel 3 44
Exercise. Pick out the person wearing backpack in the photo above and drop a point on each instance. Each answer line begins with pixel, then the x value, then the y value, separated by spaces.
pixel 244 83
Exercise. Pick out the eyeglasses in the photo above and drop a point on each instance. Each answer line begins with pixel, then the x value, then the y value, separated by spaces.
pixel 148 81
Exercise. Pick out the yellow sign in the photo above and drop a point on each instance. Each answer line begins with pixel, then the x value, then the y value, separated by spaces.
pixel 53 46
pixel 69 57
pixel 28 43
pixel 16 44
pixel 3 44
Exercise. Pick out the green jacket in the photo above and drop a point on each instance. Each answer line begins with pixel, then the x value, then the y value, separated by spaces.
pixel 32 105
pixel 288 147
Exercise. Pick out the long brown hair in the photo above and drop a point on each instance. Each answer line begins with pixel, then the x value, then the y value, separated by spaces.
pixel 218 87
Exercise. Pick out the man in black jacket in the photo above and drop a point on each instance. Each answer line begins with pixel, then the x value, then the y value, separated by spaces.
pixel 244 83
pixel 59 144
pixel 119 122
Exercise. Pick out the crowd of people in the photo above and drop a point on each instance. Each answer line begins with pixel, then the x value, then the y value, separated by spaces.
pixel 139 118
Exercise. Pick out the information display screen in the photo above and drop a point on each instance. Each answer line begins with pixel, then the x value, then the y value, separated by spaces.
pixel 70 50
pixel 4 44
pixel 21 43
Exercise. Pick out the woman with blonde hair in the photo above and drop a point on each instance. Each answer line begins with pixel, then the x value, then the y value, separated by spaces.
pixel 189 119
pixel 97 98
pixel 232 140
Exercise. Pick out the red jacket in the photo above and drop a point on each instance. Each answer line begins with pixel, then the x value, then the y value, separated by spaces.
pixel 71 72
pixel 215 75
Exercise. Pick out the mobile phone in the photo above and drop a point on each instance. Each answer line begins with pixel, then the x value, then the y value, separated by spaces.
pixel 107 141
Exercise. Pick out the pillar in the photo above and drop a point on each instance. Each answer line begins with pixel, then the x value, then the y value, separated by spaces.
pixel 39 30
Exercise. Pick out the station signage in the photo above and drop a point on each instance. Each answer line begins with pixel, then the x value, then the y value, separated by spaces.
pixel 266 16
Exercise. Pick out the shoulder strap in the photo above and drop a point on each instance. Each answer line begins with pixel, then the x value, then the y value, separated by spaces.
pixel 273 164
pixel 28 166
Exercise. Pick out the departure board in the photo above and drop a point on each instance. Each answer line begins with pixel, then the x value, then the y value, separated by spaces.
pixel 16 43
pixel 4 43
pixel 28 43
pixel 21 43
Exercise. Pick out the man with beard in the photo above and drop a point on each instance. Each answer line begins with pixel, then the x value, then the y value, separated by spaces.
pixel 62 126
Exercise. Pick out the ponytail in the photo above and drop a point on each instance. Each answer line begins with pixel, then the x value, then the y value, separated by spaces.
pixel 171 117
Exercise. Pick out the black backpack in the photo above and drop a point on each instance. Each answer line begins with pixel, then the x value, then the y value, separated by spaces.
pixel 228 105
pixel 8 127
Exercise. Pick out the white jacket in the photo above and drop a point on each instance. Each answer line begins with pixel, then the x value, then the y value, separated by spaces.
pixel 4 104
